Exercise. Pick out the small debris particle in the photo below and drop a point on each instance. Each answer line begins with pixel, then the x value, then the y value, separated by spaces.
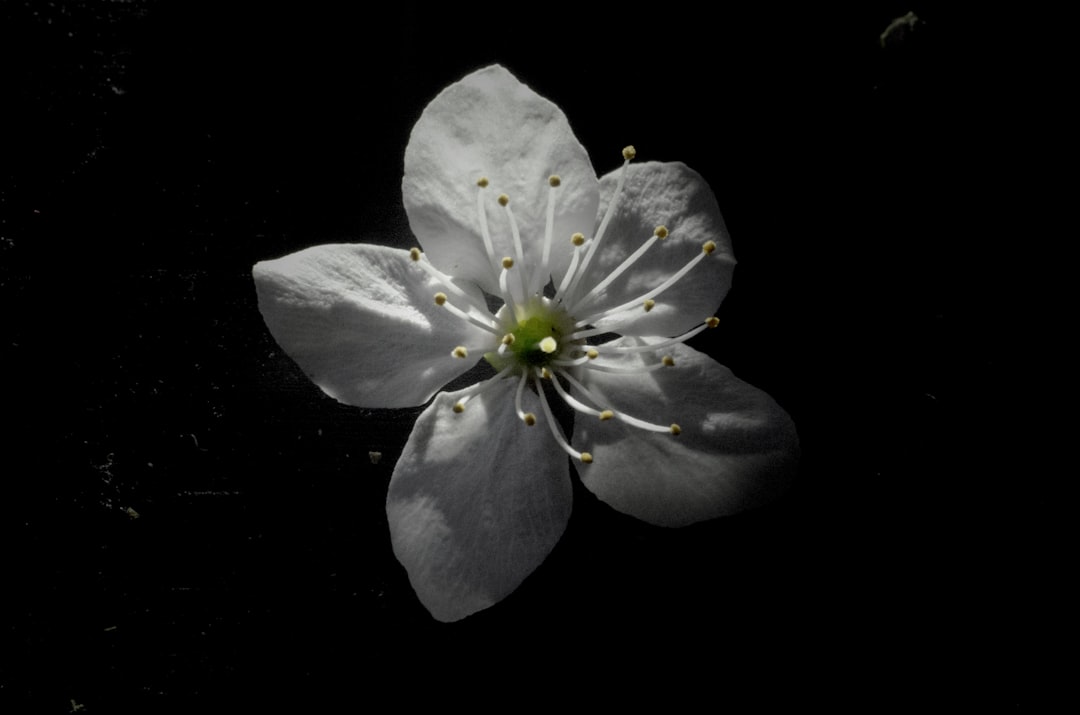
pixel 898 29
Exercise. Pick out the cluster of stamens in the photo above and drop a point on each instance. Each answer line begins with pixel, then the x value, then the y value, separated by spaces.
pixel 535 338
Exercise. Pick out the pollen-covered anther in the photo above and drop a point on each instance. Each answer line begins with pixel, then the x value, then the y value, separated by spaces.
pixel 482 182
pixel 460 352
pixel 503 199
pixel 649 304
pixel 545 373
pixel 577 239
pixel 606 415
pixel 712 322
pixel 629 153
pixel 459 407
pixel 586 458
pixel 709 247
pixel 668 360
pixel 414 253
pixel 554 180
pixel 676 429
pixel 661 232
pixel 592 353
pixel 440 298
pixel 548 345
pixel 508 339
pixel 529 419
pixel 507 262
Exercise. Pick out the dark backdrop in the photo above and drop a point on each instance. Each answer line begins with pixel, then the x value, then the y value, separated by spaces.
pixel 193 523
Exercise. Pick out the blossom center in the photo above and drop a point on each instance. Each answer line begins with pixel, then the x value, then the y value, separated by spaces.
pixel 536 339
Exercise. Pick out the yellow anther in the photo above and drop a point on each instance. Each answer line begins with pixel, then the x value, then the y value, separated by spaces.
pixel 554 180
pixel 712 322
pixel 649 304
pixel 709 247
pixel 545 373
pixel 577 239
pixel 460 352
pixel 548 345
pixel 529 419
pixel 606 415
pixel 459 407
pixel 508 339
pixel 414 253
pixel 507 262
pixel 503 199
pixel 586 458
pixel 629 153
pixel 676 429
pixel 668 360
pixel 440 298
pixel 482 182
pixel 592 354
pixel 661 232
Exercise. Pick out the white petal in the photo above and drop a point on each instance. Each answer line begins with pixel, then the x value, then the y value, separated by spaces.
pixel 675 196
pixel 477 501
pixel 737 450
pixel 490 125
pixel 361 321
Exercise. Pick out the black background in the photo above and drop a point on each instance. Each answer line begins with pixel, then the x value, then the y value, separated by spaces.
pixel 192 523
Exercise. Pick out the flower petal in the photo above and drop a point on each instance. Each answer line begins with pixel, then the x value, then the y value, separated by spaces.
pixel 675 196
pixel 361 321
pixel 737 448
pixel 491 125
pixel 476 502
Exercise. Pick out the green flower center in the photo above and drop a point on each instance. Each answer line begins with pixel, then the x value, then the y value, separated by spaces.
pixel 534 337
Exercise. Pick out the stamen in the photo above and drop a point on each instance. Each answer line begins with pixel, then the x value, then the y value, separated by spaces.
pixel 592 353
pixel 648 305
pixel 487 323
pixel 482 215
pixel 507 262
pixel 504 289
pixel 574 402
pixel 659 234
pixel 628 154
pixel 519 252
pixel 622 369
pixel 570 362
pixel 577 239
pixel 710 323
pixel 588 333
pixel 460 295
pixel 706 249
pixel 556 431
pixel 460 352
pixel 517 400
pixel 479 388
pixel 598 398
pixel 549 224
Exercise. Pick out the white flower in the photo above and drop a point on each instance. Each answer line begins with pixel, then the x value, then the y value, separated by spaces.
pixel 506 205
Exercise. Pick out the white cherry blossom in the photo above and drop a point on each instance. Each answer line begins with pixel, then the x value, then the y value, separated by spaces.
pixel 508 210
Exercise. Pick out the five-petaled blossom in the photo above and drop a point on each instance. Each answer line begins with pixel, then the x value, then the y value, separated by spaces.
pixel 507 207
